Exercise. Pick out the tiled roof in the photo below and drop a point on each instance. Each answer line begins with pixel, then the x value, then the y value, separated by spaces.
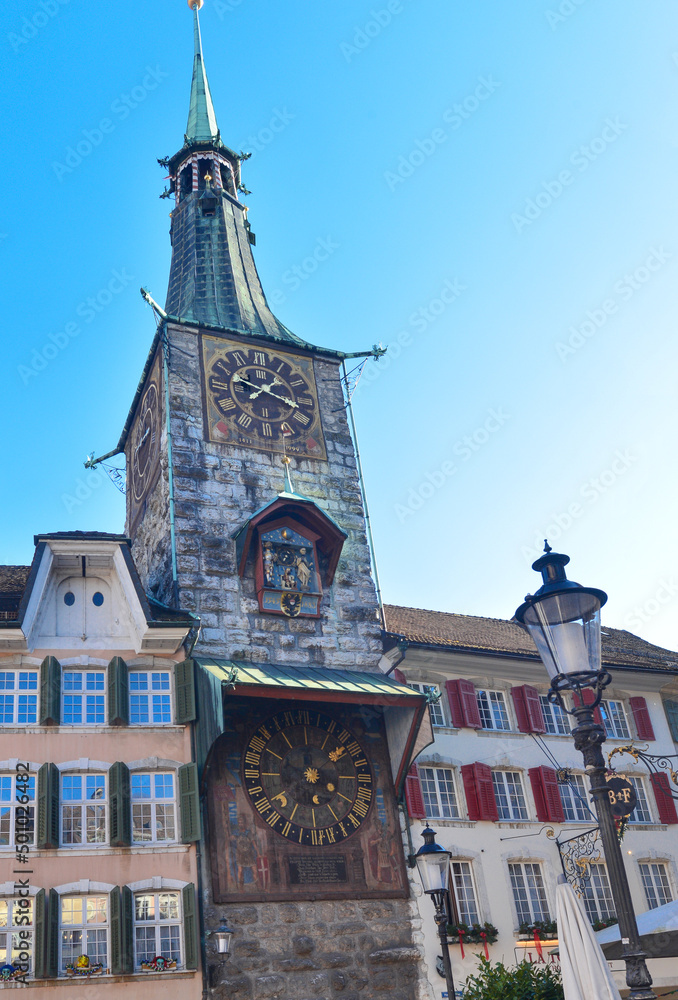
pixel 13 579
pixel 495 635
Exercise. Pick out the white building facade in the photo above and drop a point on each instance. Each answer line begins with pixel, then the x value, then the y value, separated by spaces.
pixel 503 785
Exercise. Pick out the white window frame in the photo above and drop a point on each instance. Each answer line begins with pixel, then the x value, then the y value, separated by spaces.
pixel 656 882
pixel 469 888
pixel 158 924
pixel 554 717
pixel 16 692
pixel 86 696
pixel 643 802
pixel 14 904
pixel 153 802
pixel 571 803
pixel 597 894
pixel 15 803
pixel 436 708
pixel 513 801
pixel 488 701
pixel 84 804
pixel 84 926
pixel 438 775
pixel 615 719
pixel 149 693
pixel 528 877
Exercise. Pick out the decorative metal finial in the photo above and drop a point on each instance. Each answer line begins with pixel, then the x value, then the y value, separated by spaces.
pixel 195 4
pixel 547 547
pixel 288 481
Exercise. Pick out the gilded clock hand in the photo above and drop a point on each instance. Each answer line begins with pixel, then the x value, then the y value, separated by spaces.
pixel 141 442
pixel 266 388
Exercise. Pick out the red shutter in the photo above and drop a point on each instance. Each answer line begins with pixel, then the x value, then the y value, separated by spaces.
pixel 666 805
pixel 641 717
pixel 534 710
pixel 413 796
pixel 470 705
pixel 546 795
pixel 518 695
pixel 399 676
pixel 589 698
pixel 479 791
pixel 455 703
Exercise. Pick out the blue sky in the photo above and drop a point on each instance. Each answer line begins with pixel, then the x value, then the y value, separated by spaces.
pixel 497 183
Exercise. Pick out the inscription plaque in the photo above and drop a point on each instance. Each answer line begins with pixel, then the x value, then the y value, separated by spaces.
pixel 314 871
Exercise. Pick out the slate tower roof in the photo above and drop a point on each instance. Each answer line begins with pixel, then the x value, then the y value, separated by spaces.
pixel 213 278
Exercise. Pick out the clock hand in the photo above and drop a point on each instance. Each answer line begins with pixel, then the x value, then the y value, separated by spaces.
pixel 267 388
pixel 141 442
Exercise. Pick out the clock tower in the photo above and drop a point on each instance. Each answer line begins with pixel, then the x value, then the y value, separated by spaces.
pixel 244 507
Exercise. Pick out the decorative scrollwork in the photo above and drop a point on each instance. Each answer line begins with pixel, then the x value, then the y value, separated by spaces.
pixel 655 763
pixel 577 854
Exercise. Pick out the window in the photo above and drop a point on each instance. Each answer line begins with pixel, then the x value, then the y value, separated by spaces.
pixel 18 697
pixel 437 787
pixel 83 809
pixel 464 892
pixel 641 814
pixel 529 894
pixel 153 810
pixel 508 791
pixel 492 708
pixel 555 719
pixel 157 926
pixel 656 883
pixel 614 718
pixel 598 895
pixel 84 930
pixel 17 809
pixel 84 698
pixel 575 798
pixel 16 932
pixel 436 707
pixel 149 696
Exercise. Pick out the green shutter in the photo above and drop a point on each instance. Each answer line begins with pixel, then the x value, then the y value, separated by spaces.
pixel 671 709
pixel 52 967
pixel 127 930
pixel 190 926
pixel 114 914
pixel 39 934
pixel 190 803
pixel 48 807
pixel 50 692
pixel 118 693
pixel 184 684
pixel 120 805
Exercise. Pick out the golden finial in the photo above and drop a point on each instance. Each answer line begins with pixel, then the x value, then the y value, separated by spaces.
pixel 195 3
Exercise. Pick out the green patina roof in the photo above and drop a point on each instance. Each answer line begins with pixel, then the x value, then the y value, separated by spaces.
pixel 202 121
pixel 307 678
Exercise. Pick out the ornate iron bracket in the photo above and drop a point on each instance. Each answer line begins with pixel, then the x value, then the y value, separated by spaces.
pixel 577 854
pixel 655 763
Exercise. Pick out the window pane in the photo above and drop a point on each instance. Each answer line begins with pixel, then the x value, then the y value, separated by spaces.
pixel 641 814
pixel 464 892
pixel 492 708
pixel 656 884
pixel 598 895
pixel 528 892
pixel 574 797
pixel 508 790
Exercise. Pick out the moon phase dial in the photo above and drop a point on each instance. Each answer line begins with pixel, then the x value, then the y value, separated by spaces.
pixel 308 778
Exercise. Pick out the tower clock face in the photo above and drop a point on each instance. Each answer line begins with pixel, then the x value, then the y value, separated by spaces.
pixel 261 398
pixel 144 444
pixel 308 778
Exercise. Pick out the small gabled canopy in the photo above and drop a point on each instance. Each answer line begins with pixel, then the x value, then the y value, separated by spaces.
pixel 202 121
pixel 306 512
pixel 406 719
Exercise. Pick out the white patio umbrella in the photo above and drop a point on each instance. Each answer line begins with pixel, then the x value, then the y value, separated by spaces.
pixel 658 931
pixel 585 971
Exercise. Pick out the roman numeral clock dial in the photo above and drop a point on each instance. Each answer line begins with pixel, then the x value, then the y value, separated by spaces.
pixel 261 399
pixel 308 778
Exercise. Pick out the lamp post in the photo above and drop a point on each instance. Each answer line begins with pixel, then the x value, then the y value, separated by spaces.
pixel 563 619
pixel 433 863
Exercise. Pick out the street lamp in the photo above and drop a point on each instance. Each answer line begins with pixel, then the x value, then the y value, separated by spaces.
pixel 563 619
pixel 223 939
pixel 433 863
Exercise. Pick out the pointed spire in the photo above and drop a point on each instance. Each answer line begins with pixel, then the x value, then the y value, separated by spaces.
pixel 202 122
pixel 288 479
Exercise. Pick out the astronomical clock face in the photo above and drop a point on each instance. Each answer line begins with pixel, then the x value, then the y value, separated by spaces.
pixel 143 456
pixel 308 778
pixel 260 398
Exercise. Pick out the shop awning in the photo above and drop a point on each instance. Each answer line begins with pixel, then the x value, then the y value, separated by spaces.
pixel 406 718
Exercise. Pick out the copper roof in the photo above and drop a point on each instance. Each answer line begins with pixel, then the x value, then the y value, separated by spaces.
pixel 495 635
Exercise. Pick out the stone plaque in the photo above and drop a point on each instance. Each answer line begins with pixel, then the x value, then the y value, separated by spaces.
pixel 328 870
